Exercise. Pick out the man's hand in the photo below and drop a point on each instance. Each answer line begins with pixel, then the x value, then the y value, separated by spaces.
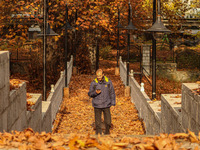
pixel 98 91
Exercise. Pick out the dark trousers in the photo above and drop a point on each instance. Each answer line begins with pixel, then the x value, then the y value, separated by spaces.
pixel 107 120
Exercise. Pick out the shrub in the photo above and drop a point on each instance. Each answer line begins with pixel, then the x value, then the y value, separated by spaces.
pixel 105 52
pixel 188 59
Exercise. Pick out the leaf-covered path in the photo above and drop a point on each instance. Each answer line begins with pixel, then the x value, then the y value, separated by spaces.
pixel 76 114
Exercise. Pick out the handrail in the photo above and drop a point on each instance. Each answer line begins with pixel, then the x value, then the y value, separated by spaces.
pixel 148 79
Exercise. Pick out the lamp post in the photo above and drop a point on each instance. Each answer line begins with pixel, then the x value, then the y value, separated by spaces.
pixel 97 53
pixel 44 49
pixel 47 31
pixel 118 26
pixel 158 29
pixel 97 48
pixel 129 27
pixel 67 26
pixel 74 46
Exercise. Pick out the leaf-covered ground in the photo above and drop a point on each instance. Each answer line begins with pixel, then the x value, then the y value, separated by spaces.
pixel 77 114
pixel 30 140
pixel 74 125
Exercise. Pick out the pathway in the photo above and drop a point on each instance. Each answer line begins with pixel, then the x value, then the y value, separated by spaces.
pixel 77 115
pixel 75 131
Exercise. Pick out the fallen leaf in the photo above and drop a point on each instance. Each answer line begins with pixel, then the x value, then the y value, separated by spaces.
pixel 192 137
pixel 58 143
pixel 177 103
pixel 130 140
pixel 161 143
pixel 15 144
pixel 72 142
pixel 39 144
pixel 120 144
pixel 181 135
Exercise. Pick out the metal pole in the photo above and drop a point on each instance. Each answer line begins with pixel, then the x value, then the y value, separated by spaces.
pixel 118 39
pixel 66 19
pixel 128 45
pixel 127 83
pixel 17 53
pixel 141 69
pixel 10 54
pixel 44 49
pixel 75 41
pixel 75 49
pixel 154 55
pixel 118 48
pixel 129 12
pixel 97 54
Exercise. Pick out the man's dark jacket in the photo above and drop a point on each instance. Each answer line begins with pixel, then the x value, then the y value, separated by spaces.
pixel 107 96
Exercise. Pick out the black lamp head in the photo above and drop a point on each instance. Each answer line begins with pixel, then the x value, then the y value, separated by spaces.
pixel 49 32
pixel 158 29
pixel 158 26
pixel 69 27
pixel 131 26
pixel 119 25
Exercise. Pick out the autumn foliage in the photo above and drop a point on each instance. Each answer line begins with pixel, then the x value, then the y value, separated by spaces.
pixel 76 114
pixel 93 18
pixel 28 139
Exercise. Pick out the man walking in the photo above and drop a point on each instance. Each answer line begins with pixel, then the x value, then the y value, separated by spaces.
pixel 103 94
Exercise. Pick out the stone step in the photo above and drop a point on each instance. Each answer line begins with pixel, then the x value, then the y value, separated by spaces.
pixel 171 113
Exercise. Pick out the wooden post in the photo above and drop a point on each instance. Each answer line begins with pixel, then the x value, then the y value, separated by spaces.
pixel 127 91
pixel 117 71
pixel 66 92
